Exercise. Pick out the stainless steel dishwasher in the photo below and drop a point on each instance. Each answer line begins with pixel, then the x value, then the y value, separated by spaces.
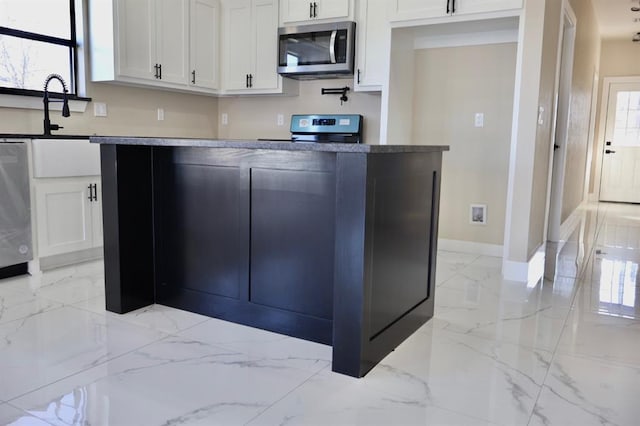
pixel 15 209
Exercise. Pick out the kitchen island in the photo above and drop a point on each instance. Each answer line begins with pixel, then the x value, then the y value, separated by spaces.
pixel 334 243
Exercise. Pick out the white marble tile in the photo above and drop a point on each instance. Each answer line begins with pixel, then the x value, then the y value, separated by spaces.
pixel 586 392
pixel 488 380
pixel 171 382
pixel 11 416
pixel 22 304
pixel 502 310
pixel 603 337
pixel 449 263
pixel 333 399
pixel 70 290
pixel 43 348
pixel 261 343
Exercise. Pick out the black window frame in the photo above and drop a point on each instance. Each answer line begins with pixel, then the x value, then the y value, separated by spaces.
pixel 71 43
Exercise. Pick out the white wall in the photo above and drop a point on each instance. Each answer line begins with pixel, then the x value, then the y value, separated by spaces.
pixel 451 86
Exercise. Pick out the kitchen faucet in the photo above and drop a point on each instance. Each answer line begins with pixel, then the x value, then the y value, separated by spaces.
pixel 48 127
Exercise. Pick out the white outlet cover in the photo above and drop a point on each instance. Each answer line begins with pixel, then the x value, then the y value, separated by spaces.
pixel 99 109
pixel 280 120
pixel 479 119
pixel 160 114
pixel 224 118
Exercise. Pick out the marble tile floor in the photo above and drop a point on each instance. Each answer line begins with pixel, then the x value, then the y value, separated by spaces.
pixel 562 352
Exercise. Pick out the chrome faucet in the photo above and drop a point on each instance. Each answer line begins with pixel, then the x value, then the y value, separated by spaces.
pixel 48 127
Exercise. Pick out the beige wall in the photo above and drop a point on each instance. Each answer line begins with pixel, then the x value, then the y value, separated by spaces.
pixel 132 111
pixel 451 86
pixel 256 116
pixel 586 61
pixel 619 58
pixel 547 96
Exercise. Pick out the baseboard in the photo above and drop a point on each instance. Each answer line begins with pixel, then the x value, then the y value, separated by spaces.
pixel 470 247
pixel 66 259
pixel 529 272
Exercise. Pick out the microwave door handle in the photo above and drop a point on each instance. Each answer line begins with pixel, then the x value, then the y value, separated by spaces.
pixel 332 46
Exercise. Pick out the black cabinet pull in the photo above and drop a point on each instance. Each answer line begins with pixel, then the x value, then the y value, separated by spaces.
pixel 250 80
pixel 453 10
pixel 155 67
pixel 90 197
pixel 246 81
pixel 448 7
pixel 310 10
pixel 160 71
pixel 315 9
pixel 193 77
pixel 608 151
pixel 358 75
pixel 95 192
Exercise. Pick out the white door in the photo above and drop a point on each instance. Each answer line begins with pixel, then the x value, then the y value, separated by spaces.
pixel 237 39
pixel 621 156
pixel 172 39
pixel 205 30
pixel 136 34
pixel 264 73
pixel 64 217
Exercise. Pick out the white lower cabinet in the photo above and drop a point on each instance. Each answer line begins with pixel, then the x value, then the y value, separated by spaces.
pixel 68 214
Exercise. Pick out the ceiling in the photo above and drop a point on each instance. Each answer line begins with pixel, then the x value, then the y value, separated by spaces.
pixel 615 18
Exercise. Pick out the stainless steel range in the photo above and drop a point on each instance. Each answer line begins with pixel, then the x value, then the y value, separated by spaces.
pixel 326 128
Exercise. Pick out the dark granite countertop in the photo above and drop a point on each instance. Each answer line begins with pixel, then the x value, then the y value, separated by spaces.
pixel 40 136
pixel 265 144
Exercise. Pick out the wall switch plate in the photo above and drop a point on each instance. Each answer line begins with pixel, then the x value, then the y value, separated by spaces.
pixel 99 109
pixel 224 118
pixel 160 114
pixel 280 120
pixel 479 119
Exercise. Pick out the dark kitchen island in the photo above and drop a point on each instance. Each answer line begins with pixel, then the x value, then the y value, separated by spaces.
pixel 334 243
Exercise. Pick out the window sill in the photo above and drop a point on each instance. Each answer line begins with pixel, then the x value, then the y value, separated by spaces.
pixel 76 103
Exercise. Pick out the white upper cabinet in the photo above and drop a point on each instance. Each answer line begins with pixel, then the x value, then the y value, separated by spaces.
pixel 172 29
pixel 204 42
pixel 152 39
pixel 405 10
pixel 372 45
pixel 304 11
pixel 156 43
pixel 250 46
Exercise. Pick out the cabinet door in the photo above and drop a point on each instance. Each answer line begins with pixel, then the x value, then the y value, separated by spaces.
pixel 172 35
pixel 204 40
pixel 484 6
pixel 136 38
pixel 305 10
pixel 265 51
pixel 374 36
pixel 238 43
pixel 63 213
pixel 404 10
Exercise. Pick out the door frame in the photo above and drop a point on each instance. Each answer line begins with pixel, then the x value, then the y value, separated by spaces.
pixel 602 123
pixel 560 126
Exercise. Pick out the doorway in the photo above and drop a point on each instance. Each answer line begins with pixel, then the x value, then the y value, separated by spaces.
pixel 620 175
pixel 561 128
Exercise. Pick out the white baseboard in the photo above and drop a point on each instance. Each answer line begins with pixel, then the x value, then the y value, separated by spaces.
pixel 470 247
pixel 529 272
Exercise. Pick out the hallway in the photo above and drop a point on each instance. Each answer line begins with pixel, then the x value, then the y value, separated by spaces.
pixel 561 352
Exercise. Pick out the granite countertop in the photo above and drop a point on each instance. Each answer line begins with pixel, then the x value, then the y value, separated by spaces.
pixel 265 144
pixel 40 136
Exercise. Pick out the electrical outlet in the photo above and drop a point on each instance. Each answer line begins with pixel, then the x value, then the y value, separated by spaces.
pixel 225 118
pixel 280 120
pixel 99 109
pixel 479 119
pixel 160 114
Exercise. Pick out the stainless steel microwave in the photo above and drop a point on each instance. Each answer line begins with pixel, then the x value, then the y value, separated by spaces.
pixel 317 51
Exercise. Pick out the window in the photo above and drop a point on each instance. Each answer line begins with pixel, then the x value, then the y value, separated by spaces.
pixel 37 38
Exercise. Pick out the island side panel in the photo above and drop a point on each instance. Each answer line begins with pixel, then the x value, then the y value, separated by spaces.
pixel 386 235
pixel 127 205
pixel 401 246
